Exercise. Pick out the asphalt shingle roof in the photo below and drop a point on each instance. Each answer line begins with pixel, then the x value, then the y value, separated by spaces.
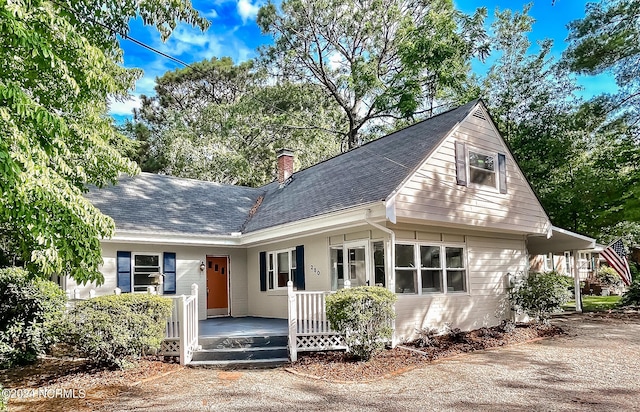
pixel 363 175
pixel 369 173
pixel 166 204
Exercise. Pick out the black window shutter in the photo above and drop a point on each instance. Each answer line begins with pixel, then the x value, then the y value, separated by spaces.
pixel 263 271
pixel 299 278
pixel 461 164
pixel 502 170
pixel 169 267
pixel 123 263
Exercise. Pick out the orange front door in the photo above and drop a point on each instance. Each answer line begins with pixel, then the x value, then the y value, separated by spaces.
pixel 217 289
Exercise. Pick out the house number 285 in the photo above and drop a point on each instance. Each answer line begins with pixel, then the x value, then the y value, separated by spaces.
pixel 315 270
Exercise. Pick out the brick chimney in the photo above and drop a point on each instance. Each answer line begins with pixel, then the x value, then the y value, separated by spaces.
pixel 285 164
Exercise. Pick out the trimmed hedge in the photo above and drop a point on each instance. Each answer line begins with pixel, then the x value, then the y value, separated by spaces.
pixel 111 330
pixel 31 316
pixel 363 316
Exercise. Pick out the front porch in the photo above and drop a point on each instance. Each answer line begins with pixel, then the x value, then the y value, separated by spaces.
pixel 252 341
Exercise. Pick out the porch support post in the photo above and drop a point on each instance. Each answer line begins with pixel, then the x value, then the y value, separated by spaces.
pixel 182 322
pixel 576 280
pixel 293 322
pixel 196 323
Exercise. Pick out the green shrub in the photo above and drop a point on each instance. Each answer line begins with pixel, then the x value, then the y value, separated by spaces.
pixel 363 316
pixel 112 329
pixel 31 312
pixel 538 295
pixel 632 295
pixel 608 276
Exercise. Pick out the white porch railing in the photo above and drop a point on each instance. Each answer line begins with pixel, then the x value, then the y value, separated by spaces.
pixel 182 327
pixel 309 329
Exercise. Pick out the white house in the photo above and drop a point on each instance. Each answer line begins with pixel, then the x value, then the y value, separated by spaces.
pixel 438 212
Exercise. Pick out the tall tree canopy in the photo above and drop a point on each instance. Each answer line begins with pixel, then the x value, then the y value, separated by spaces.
pixel 581 164
pixel 224 122
pixel 377 59
pixel 60 65
pixel 607 39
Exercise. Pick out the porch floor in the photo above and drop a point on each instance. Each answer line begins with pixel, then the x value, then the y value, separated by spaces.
pixel 245 326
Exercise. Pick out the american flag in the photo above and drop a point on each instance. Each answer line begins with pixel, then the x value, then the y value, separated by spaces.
pixel 617 259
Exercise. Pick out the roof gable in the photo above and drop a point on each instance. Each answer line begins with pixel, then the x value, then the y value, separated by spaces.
pixel 367 174
pixel 432 193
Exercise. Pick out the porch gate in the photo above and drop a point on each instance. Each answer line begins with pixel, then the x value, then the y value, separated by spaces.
pixel 182 327
pixel 309 328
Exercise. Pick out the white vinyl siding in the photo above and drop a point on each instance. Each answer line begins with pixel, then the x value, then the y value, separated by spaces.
pixel 432 194
pixel 489 259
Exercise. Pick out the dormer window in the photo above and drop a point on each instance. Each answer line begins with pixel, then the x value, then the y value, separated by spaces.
pixel 480 168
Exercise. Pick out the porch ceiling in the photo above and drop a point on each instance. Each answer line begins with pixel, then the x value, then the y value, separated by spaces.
pixel 561 240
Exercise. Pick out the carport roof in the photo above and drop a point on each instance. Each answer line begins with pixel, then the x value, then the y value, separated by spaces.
pixel 560 241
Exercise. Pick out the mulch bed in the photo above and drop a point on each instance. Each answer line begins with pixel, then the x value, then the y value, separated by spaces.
pixel 339 366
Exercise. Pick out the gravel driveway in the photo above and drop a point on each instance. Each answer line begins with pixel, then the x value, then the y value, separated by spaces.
pixel 595 367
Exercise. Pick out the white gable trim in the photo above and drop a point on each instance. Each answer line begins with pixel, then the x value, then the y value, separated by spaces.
pixel 407 179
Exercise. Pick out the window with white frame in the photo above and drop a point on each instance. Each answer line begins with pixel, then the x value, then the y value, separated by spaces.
pixel 281 268
pixel 379 271
pixel 360 262
pixel 442 269
pixel 430 269
pixel 483 168
pixel 336 256
pixel 145 265
pixel 406 269
pixel 548 262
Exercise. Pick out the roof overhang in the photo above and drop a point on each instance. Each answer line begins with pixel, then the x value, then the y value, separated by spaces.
pixel 558 241
pixel 341 219
pixel 124 236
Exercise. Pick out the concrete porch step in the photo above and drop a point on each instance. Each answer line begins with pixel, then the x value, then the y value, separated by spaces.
pixel 241 354
pixel 250 351
pixel 229 342
pixel 240 364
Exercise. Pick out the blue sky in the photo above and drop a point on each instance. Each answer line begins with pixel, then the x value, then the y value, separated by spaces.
pixel 234 33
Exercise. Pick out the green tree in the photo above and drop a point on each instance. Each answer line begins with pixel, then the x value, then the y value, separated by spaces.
pixel 60 65
pixel 580 163
pixel 240 120
pixel 378 60
pixel 606 41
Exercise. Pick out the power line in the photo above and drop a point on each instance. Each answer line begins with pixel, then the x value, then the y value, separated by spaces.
pixel 123 35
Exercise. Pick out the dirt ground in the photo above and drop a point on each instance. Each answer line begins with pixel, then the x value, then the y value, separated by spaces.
pixel 595 367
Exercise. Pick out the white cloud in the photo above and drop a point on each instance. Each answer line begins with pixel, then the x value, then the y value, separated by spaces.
pixel 247 10
pixel 211 14
pixel 124 108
